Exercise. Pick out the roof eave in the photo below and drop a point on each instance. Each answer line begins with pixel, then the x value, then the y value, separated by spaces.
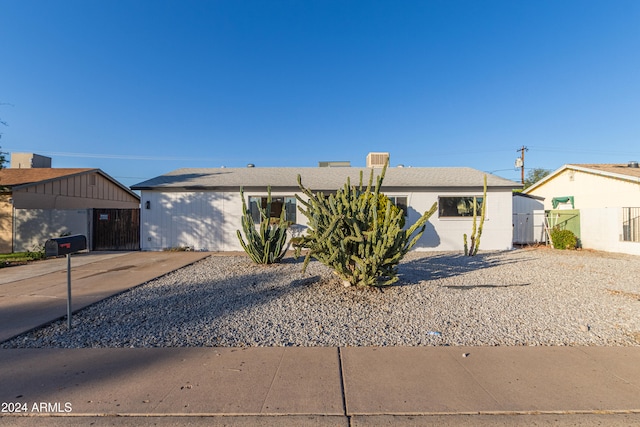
pixel 620 176
pixel 48 180
pixel 295 187
pixel 545 179
pixel 591 171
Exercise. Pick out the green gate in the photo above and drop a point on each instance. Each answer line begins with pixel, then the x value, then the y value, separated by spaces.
pixel 565 219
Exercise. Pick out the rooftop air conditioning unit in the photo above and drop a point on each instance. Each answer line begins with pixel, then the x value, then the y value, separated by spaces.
pixel 377 160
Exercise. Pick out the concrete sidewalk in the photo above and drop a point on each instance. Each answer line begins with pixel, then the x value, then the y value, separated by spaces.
pixel 294 386
pixel 327 386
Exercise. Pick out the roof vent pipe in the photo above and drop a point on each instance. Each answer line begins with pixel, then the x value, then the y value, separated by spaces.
pixel 633 164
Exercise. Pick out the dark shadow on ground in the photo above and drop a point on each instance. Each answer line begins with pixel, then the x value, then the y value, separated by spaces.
pixel 210 299
pixel 443 265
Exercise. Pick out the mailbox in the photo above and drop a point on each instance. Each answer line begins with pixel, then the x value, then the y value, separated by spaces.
pixel 65 245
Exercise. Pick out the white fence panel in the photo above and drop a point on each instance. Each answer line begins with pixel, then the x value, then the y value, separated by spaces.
pixel 528 228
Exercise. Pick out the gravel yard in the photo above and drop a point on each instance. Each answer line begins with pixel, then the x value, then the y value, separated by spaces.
pixel 533 296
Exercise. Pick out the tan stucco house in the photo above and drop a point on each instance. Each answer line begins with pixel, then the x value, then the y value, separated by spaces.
pixel 40 203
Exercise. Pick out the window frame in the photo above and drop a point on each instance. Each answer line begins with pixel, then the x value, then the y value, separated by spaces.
pixel 404 206
pixel 288 203
pixel 445 213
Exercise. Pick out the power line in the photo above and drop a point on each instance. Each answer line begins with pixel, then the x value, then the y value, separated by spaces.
pixel 570 150
pixel 164 158
pixel 116 156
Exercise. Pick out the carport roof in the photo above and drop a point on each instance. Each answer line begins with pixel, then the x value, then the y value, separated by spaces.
pixel 12 177
pixel 320 178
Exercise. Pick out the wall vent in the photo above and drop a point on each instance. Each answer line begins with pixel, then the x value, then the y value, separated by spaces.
pixel 377 160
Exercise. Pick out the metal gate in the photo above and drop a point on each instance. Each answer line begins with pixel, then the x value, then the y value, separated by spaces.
pixel 116 229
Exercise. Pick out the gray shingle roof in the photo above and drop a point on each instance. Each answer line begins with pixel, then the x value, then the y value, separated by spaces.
pixel 319 178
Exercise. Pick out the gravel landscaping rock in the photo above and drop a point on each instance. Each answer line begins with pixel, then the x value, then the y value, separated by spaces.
pixel 532 296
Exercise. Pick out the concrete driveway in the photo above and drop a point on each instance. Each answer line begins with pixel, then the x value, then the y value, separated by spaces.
pixel 35 294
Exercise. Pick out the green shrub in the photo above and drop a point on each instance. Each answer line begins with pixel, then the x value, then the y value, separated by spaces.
pixel 563 239
pixel 20 258
pixel 350 233
pixel 36 253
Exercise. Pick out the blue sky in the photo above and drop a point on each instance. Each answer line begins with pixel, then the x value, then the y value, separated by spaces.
pixel 139 88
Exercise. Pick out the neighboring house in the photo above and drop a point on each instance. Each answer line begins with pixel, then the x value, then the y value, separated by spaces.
pixel 201 208
pixel 39 203
pixel 606 198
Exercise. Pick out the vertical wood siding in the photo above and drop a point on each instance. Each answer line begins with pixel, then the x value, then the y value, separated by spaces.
pixel 116 229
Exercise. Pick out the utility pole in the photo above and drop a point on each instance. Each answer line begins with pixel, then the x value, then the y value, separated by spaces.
pixel 520 162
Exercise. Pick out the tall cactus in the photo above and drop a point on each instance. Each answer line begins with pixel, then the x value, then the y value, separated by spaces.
pixel 476 231
pixel 344 233
pixel 268 244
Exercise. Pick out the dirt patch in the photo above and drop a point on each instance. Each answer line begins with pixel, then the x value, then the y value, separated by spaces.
pixel 632 295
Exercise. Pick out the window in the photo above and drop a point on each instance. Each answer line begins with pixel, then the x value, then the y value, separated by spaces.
pixel 631 224
pixel 277 204
pixel 400 202
pixel 459 206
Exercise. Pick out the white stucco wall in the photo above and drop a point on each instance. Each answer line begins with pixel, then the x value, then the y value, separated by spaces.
pixel 446 234
pixel 194 219
pixel 208 220
pixel 589 190
pixel 601 229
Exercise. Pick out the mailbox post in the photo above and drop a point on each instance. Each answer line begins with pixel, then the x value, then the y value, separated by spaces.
pixel 66 246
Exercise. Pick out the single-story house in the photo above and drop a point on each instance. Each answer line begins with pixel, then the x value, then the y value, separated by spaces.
pixel 39 203
pixel 606 198
pixel 202 208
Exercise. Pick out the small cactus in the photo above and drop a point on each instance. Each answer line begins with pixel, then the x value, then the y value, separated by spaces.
pixel 476 230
